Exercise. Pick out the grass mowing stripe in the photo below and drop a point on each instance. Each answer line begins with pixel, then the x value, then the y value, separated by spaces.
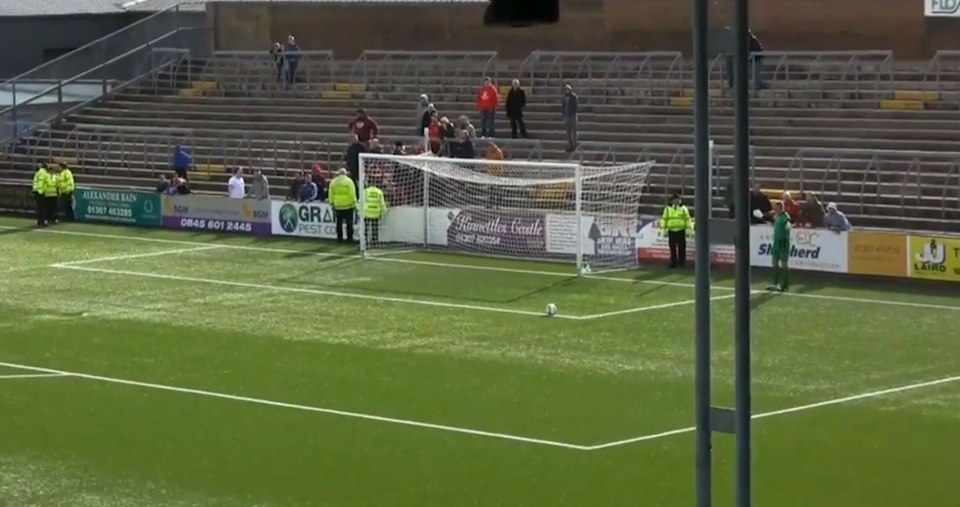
pixel 791 410
pixel 295 406
pixel 390 299
pixel 652 307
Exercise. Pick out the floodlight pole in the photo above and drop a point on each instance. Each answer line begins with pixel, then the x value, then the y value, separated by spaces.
pixel 703 196
pixel 741 183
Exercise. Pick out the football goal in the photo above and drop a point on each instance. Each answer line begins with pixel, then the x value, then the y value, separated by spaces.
pixel 544 211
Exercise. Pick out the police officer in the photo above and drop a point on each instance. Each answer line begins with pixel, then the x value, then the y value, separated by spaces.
pixel 39 187
pixel 374 208
pixel 67 186
pixel 343 198
pixel 676 224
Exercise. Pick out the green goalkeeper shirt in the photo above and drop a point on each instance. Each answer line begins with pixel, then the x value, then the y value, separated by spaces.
pixel 781 232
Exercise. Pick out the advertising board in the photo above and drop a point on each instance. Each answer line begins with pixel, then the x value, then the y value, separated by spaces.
pixel 216 214
pixel 653 248
pixel 941 8
pixel 810 249
pixel 603 236
pixel 17 199
pixel 933 258
pixel 117 206
pixel 877 253
pixel 308 220
pixel 497 232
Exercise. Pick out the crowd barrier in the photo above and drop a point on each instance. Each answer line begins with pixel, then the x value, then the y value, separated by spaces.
pixel 888 254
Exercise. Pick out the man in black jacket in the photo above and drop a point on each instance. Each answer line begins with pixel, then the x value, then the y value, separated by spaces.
pixel 516 101
pixel 352 157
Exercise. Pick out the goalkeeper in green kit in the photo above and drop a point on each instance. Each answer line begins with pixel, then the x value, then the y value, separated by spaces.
pixel 781 249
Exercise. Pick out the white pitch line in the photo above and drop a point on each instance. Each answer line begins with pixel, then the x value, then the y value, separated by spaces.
pixel 295 406
pixel 481 268
pixel 652 307
pixel 135 256
pixel 378 258
pixel 32 375
pixel 300 290
pixel 773 413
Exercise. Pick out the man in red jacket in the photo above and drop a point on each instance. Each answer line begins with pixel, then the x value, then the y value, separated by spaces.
pixel 487 100
pixel 364 127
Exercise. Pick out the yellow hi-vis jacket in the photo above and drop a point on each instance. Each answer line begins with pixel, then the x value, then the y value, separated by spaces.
pixel 40 179
pixel 343 193
pixel 51 186
pixel 676 218
pixel 67 185
pixel 375 206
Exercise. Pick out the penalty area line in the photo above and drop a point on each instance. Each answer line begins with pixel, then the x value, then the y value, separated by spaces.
pixel 295 406
pixel 31 375
pixel 791 410
pixel 134 256
pixel 317 292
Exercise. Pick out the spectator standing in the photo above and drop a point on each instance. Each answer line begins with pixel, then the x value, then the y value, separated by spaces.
pixel 760 206
pixel 309 191
pixel 835 220
pixel 463 123
pixel 343 199
pixel 278 59
pixel 426 118
pixel 260 188
pixel 352 157
pixel 292 54
pixel 182 161
pixel 463 148
pixel 236 187
pixel 756 60
pixel 180 186
pixel 67 186
pixel 423 105
pixel 434 131
pixel 791 208
pixel 728 197
pixel 487 100
pixel 399 148
pixel 293 193
pixel 812 213
pixel 320 177
pixel 516 101
pixel 364 127
pixel 570 111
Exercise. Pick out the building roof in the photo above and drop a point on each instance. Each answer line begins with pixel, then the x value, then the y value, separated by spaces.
pixel 64 7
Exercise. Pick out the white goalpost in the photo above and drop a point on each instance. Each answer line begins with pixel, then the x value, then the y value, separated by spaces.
pixel 543 211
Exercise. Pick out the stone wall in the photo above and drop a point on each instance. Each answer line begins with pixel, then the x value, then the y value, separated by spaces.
pixel 600 25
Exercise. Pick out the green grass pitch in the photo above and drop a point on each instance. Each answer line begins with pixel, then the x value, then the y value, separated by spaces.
pixel 149 368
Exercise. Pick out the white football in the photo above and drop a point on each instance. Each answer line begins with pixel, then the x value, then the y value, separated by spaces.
pixel 551 310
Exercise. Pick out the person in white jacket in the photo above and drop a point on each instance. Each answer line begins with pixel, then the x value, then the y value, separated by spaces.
pixel 236 187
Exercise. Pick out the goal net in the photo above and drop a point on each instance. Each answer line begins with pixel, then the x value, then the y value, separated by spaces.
pixel 547 211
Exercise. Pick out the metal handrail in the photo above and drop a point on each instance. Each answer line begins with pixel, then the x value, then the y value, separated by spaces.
pixel 608 66
pixel 954 169
pixel 61 58
pixel 375 66
pixel 934 67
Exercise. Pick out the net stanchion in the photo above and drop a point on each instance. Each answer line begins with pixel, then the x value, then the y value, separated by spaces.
pixel 540 211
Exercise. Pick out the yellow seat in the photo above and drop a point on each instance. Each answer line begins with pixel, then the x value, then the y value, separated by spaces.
pixel 901 104
pixel 336 94
pixel 681 101
pixel 350 87
pixel 914 95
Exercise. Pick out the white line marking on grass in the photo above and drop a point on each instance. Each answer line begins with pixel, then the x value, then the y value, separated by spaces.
pixel 135 256
pixel 371 297
pixel 377 258
pixel 773 413
pixel 870 301
pixel 653 307
pixel 474 267
pixel 32 375
pixel 308 408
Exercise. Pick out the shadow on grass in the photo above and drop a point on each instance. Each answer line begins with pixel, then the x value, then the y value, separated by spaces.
pixel 5 232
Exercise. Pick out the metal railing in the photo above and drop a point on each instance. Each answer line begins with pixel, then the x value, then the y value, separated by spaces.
pixel 943 67
pixel 161 54
pixel 428 71
pixel 258 73
pixel 807 74
pixel 878 176
pixel 656 73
